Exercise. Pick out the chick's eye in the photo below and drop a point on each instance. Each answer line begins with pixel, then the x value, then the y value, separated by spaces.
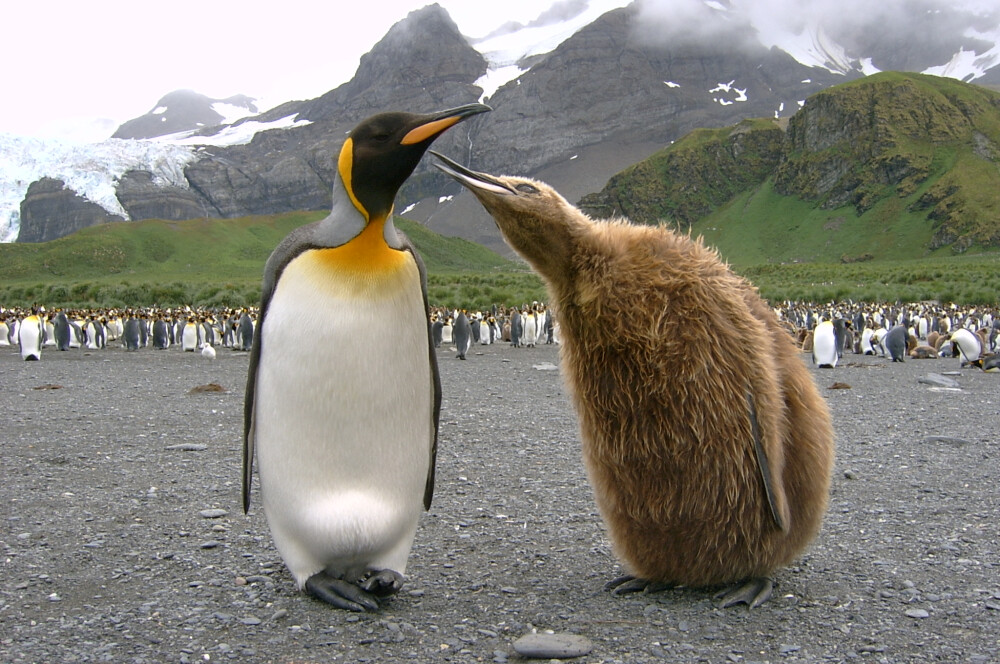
pixel 526 188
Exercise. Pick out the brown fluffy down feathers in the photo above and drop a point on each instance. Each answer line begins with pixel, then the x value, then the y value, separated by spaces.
pixel 662 344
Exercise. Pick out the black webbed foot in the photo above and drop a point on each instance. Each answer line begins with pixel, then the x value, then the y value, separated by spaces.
pixel 362 593
pixel 340 593
pixel 752 592
pixel 627 584
pixel 382 583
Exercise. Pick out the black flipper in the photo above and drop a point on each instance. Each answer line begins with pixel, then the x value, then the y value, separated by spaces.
pixel 763 464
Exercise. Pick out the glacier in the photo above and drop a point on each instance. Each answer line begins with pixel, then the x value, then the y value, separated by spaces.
pixel 92 170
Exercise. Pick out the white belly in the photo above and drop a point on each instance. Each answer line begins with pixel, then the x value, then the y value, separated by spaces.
pixel 343 421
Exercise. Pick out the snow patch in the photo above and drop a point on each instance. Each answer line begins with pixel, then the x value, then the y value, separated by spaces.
pixel 159 110
pixel 741 93
pixel 408 208
pixel 445 199
pixel 231 112
pixel 671 84
pixel 494 79
pixel 503 52
pixel 239 134
pixel 867 68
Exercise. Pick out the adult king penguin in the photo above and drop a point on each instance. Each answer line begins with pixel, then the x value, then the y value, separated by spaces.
pixel 344 422
pixel 710 463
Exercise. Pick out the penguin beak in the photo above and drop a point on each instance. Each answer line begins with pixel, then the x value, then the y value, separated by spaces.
pixel 471 179
pixel 439 122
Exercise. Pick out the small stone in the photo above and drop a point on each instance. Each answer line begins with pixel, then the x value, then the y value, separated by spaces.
pixel 250 620
pixel 947 440
pixel 552 646
pixel 240 581
pixel 788 649
pixel 213 513
pixel 850 475
pixel 188 447
pixel 54 597
pixel 917 613
pixel 937 380
pixel 210 544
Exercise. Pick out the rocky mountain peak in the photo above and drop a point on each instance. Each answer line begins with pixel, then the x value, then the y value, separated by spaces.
pixel 185 110
pixel 409 68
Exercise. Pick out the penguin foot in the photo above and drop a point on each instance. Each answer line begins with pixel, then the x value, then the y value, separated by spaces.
pixel 382 583
pixel 627 584
pixel 752 592
pixel 340 593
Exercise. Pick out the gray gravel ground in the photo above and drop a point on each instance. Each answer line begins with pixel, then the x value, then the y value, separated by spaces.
pixel 123 539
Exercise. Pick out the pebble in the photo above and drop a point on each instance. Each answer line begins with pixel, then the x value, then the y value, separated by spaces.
pixel 552 646
pixel 188 447
pixel 937 380
pixel 917 613
pixel 210 544
pixel 213 513
pixel 948 440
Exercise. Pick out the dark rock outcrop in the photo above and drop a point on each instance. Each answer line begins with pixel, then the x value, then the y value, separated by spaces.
pixel 50 211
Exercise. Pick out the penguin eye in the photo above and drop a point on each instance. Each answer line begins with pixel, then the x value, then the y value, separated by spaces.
pixel 526 188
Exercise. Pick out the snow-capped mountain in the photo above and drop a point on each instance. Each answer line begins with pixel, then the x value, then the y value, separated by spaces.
pixel 578 93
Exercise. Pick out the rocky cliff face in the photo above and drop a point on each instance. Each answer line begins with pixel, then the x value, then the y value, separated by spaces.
pixel 933 144
pixel 50 210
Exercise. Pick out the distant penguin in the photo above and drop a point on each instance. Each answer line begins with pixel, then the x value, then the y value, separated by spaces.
pixel 967 345
pixel 877 341
pixel 4 333
pixel 530 329
pixel 61 331
pixel 29 337
pixel 190 337
pixel 991 363
pixel 161 334
pixel 743 435
pixel 343 418
pixel 130 334
pixel 436 336
pixel 95 333
pixel 516 329
pixel 447 331
pixel 895 343
pixel 246 331
pixel 462 335
pixel 841 335
pixel 485 335
pixel 48 331
pixel 824 349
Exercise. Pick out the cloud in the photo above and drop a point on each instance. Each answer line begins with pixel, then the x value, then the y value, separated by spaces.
pixel 911 34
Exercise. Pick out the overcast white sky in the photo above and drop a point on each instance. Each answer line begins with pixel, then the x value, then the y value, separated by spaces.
pixel 64 62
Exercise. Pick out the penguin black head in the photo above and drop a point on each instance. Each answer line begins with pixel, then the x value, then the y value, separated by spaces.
pixel 382 151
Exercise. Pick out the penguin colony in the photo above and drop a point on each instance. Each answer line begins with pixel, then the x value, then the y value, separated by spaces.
pixel 711 462
pixel 132 329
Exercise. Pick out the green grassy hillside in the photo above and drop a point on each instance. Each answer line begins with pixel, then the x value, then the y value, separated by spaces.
pixel 888 167
pixel 215 262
